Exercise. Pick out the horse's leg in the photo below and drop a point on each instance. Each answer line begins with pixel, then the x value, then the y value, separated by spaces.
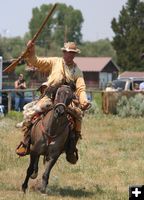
pixel 35 172
pixel 29 172
pixel 45 177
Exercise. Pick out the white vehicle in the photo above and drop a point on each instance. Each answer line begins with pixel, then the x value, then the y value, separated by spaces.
pixel 126 83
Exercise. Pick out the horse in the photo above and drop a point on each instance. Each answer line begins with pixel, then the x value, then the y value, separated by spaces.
pixel 49 137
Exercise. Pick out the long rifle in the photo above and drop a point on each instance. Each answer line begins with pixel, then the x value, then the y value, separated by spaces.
pixel 13 65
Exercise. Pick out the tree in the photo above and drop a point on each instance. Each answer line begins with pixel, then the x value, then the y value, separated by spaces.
pixel 129 38
pixel 2 48
pixel 11 47
pixel 64 25
pixel 99 48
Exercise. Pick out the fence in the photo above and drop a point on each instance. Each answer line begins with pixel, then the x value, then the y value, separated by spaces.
pixel 108 100
pixel 9 93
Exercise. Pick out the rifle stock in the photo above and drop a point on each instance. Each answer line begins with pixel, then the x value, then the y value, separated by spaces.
pixel 13 65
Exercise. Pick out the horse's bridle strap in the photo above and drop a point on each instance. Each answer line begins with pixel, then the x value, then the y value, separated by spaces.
pixel 59 104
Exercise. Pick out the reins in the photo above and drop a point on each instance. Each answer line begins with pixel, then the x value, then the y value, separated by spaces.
pixel 45 131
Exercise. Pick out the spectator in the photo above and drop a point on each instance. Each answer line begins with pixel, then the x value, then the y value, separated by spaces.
pixel 141 86
pixel 19 96
pixel 136 87
pixel 110 87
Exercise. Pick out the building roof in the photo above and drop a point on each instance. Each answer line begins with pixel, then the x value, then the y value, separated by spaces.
pixel 130 74
pixel 93 64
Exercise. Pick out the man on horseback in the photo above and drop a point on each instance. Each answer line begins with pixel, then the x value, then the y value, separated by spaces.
pixel 61 70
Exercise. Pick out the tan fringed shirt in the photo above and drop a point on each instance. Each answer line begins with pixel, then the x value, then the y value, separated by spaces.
pixel 56 66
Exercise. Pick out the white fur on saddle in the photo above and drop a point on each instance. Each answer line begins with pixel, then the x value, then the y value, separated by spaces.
pixel 35 107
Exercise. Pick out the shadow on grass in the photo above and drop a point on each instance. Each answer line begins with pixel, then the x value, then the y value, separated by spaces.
pixel 69 191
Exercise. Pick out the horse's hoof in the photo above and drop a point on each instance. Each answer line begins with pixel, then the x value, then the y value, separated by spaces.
pixel 71 158
pixel 41 189
pixel 24 188
pixel 34 175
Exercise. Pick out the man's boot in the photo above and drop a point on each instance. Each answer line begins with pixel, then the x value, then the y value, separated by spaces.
pixel 23 147
pixel 72 151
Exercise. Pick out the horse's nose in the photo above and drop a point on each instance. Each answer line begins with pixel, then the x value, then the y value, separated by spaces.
pixel 59 110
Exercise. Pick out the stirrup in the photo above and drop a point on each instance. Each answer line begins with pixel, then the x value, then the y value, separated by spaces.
pixel 22 149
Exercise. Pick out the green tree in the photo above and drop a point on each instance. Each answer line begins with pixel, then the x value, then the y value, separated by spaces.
pixel 64 25
pixel 11 47
pixel 100 48
pixel 15 46
pixel 129 38
pixel 2 48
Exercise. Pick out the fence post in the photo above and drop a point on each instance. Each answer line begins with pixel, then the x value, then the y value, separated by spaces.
pixel 9 101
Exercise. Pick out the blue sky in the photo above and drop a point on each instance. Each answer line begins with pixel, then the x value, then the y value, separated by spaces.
pixel 97 14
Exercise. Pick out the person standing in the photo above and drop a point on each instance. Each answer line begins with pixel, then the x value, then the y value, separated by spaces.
pixel 141 86
pixel 20 83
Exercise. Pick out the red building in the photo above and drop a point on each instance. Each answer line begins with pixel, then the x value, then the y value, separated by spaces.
pixel 98 71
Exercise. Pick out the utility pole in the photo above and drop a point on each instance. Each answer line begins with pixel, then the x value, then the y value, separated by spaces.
pixel 65 33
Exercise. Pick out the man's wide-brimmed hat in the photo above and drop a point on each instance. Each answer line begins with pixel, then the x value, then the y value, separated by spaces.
pixel 70 47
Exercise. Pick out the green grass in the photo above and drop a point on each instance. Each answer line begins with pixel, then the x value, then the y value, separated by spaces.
pixel 110 159
pixel 15 115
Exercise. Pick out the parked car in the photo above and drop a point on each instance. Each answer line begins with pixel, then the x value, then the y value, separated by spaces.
pixel 126 83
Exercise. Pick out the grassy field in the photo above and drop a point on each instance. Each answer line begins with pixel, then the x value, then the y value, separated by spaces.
pixel 111 159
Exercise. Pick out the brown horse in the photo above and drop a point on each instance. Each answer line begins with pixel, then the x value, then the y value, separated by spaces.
pixel 49 137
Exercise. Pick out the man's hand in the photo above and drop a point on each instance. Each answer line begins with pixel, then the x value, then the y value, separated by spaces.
pixel 30 49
